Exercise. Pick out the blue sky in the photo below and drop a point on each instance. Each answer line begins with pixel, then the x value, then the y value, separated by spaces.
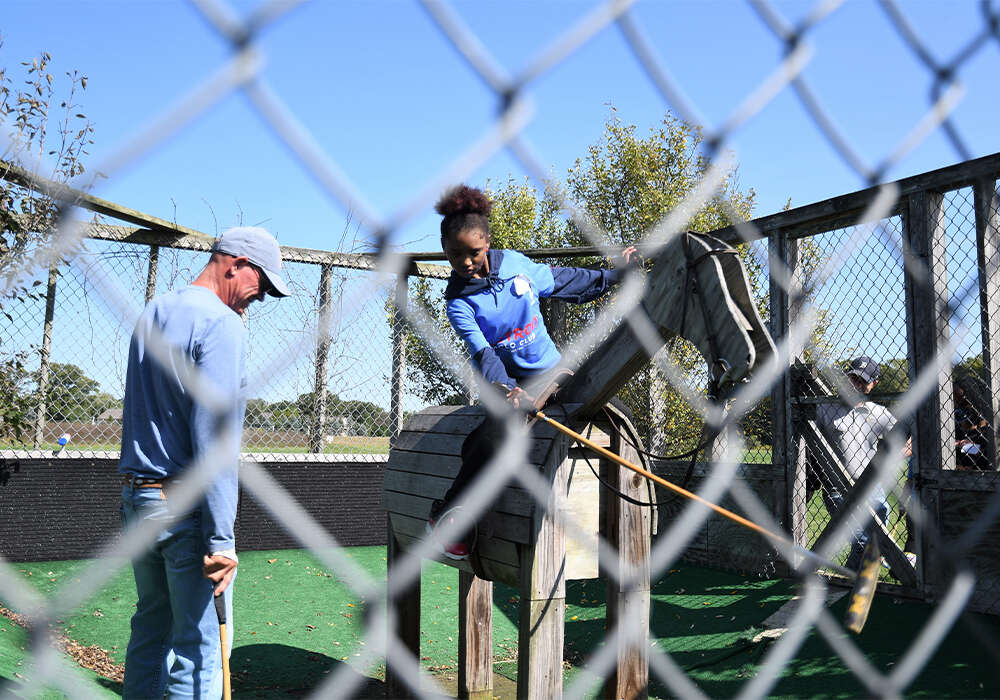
pixel 387 98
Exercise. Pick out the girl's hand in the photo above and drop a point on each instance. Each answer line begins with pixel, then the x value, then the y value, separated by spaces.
pixel 517 395
pixel 629 258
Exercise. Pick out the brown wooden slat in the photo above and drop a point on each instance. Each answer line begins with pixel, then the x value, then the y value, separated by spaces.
pixel 441 444
pixel 516 528
pixel 424 463
pixel 496 570
pixel 509 501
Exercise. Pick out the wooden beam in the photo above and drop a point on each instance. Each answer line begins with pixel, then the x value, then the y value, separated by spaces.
pixel 837 212
pixel 543 588
pixel 201 241
pixel 475 637
pixel 406 607
pixel 626 527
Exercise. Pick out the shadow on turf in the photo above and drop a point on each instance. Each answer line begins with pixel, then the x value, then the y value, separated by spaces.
pixel 279 669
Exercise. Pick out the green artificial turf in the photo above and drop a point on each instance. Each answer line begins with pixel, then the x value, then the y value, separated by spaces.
pixel 296 622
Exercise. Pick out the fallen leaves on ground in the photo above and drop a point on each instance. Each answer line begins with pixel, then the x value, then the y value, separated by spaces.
pixel 90 657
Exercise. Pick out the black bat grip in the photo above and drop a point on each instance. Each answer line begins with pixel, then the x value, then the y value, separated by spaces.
pixel 220 608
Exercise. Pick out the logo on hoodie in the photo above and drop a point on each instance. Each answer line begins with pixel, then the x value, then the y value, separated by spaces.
pixel 521 337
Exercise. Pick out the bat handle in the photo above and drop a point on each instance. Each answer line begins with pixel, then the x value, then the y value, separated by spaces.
pixel 220 608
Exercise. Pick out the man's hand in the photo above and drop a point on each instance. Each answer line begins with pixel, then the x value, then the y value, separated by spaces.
pixel 219 570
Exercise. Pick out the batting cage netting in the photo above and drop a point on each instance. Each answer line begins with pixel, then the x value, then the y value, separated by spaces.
pixel 871 417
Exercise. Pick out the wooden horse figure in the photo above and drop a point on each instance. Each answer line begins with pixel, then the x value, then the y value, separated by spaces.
pixel 697 289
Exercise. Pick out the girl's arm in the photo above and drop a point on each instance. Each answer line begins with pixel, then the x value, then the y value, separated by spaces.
pixel 484 357
pixel 579 285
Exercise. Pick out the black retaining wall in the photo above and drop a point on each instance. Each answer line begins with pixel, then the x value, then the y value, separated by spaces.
pixel 68 508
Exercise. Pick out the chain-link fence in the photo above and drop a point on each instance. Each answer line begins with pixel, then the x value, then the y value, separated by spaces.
pixel 902 274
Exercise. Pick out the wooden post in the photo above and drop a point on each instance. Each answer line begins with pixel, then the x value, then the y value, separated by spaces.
pixel 926 329
pixel 318 426
pixel 154 263
pixel 406 607
pixel 988 251
pixel 398 357
pixel 658 390
pixel 788 449
pixel 45 355
pixel 475 637
pixel 626 527
pixel 543 589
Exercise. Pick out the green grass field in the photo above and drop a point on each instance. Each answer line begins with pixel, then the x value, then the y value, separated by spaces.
pixel 296 622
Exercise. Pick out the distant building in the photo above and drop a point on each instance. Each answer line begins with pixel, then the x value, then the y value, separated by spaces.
pixel 110 415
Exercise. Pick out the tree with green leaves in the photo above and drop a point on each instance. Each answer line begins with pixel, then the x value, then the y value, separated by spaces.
pixel 73 396
pixel 47 136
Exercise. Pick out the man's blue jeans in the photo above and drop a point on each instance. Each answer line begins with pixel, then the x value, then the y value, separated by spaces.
pixel 174 647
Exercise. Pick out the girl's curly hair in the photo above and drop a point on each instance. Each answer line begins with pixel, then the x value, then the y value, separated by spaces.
pixel 464 207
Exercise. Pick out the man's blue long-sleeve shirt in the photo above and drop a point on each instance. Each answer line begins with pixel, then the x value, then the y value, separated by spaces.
pixel 164 429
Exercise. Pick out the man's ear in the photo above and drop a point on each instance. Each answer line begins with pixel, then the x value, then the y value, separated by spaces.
pixel 234 264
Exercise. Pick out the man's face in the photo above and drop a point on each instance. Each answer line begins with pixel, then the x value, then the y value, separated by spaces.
pixel 249 285
pixel 860 385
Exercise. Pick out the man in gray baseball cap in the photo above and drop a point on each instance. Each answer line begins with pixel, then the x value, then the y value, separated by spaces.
pixel 185 396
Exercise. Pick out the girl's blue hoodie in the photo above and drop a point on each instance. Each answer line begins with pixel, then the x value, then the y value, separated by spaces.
pixel 499 317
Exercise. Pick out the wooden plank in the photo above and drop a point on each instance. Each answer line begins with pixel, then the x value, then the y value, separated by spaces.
pixel 424 463
pixel 986 482
pixel 510 500
pixel 442 444
pixel 840 210
pixel 583 522
pixel 453 423
pixel 988 256
pixel 627 529
pixel 407 615
pixel 475 637
pixel 961 510
pixel 539 661
pixel 514 527
pixel 543 589
pixel 495 570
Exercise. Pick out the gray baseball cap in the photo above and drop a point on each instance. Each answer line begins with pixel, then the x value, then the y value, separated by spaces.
pixel 260 248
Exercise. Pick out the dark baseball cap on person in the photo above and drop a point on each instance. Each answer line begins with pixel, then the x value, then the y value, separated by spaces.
pixel 259 247
pixel 865 369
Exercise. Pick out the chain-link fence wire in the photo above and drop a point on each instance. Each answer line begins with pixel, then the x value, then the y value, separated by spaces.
pixel 243 72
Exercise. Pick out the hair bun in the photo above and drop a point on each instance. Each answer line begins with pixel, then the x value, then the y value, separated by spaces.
pixel 464 200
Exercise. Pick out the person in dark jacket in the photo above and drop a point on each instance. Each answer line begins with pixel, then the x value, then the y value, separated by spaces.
pixel 492 301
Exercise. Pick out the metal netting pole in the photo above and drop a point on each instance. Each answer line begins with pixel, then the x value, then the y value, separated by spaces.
pixel 398 357
pixel 988 252
pixel 787 449
pixel 322 358
pixel 927 328
pixel 154 263
pixel 46 351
